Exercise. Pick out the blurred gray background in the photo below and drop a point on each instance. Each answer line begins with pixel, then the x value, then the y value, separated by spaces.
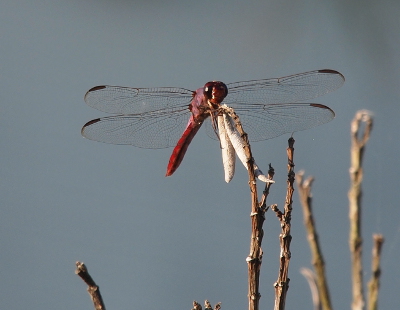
pixel 151 241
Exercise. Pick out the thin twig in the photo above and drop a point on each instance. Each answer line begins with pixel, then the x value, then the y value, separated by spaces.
pixel 93 288
pixel 373 284
pixel 312 283
pixel 305 196
pixel 254 259
pixel 358 142
pixel 263 202
pixel 282 283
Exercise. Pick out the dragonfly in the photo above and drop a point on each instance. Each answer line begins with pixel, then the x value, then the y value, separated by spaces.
pixel 164 117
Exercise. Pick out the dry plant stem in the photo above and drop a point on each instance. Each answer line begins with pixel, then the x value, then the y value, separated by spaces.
pixel 358 141
pixel 282 283
pixel 373 284
pixel 207 306
pixel 313 241
pixel 93 289
pixel 254 259
pixel 312 282
pixel 196 305
pixel 263 202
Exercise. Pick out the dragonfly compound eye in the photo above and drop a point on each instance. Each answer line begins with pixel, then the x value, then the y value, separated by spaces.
pixel 215 91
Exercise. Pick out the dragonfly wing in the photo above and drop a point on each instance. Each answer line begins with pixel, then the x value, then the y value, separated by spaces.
pixel 277 119
pixel 151 130
pixel 128 100
pixel 292 88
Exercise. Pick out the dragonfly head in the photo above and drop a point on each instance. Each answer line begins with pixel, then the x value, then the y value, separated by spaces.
pixel 215 92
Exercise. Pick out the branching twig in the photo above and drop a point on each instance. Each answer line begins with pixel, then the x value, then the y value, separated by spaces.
pixel 304 187
pixel 254 259
pixel 373 284
pixel 282 284
pixel 257 218
pixel 358 141
pixel 93 289
pixel 263 202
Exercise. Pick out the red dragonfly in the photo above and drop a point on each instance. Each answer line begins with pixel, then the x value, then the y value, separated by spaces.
pixel 156 117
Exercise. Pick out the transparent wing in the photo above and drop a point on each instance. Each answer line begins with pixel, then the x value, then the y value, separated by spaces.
pixel 156 117
pixel 147 130
pixel 127 100
pixel 293 88
pixel 270 121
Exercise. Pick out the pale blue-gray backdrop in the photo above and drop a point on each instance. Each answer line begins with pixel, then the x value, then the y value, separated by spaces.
pixel 151 241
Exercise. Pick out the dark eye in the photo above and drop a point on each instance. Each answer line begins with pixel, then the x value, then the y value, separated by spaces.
pixel 208 89
pixel 215 88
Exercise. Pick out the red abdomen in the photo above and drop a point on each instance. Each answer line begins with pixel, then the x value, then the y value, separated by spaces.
pixel 180 149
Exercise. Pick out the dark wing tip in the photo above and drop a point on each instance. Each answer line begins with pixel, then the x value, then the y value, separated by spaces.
pixel 94 89
pixel 321 106
pixel 93 121
pixel 331 72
